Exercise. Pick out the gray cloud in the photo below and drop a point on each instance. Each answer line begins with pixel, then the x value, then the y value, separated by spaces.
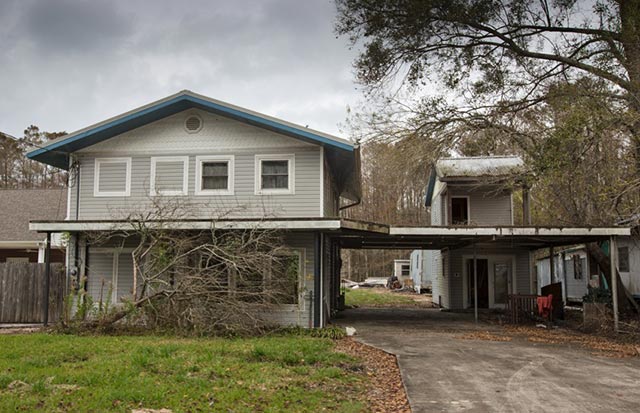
pixel 72 63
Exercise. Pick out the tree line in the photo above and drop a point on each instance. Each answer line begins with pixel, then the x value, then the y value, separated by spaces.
pixel 19 172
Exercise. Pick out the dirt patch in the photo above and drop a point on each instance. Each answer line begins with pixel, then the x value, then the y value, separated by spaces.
pixel 386 393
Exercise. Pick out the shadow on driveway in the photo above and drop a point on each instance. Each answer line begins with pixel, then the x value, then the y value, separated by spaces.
pixel 445 373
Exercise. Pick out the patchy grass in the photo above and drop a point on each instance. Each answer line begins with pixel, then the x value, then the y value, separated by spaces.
pixel 64 373
pixel 376 297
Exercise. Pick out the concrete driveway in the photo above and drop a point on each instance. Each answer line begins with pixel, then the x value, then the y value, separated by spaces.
pixel 443 373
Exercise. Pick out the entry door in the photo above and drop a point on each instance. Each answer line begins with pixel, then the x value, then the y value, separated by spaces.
pixel 501 283
pixel 483 283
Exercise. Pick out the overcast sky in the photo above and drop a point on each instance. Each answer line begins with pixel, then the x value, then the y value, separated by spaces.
pixel 65 64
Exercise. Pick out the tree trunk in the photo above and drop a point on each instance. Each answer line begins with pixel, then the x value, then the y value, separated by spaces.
pixel 625 299
pixel 630 39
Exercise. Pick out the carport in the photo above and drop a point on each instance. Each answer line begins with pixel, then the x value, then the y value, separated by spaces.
pixel 367 235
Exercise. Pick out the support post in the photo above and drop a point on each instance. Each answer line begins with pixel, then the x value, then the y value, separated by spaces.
pixel 613 258
pixel 552 267
pixel 526 206
pixel 475 283
pixel 317 284
pixel 47 276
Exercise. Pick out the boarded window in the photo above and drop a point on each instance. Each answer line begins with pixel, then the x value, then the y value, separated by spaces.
pixel 112 177
pixel 215 175
pixel 275 174
pixel 169 175
pixel 459 210
pixel 623 259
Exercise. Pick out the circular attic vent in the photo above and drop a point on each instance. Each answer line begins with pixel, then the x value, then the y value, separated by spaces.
pixel 193 124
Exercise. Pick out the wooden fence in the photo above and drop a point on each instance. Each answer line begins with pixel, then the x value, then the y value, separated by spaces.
pixel 521 307
pixel 22 292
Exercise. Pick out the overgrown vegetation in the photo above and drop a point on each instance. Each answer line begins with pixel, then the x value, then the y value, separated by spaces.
pixel 373 297
pixel 118 373
pixel 190 282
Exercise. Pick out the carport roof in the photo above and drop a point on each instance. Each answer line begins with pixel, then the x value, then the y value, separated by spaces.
pixel 370 235
pixel 436 238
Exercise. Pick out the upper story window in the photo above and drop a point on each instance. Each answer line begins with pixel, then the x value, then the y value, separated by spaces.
pixel 459 210
pixel 169 175
pixel 275 174
pixel 112 177
pixel 215 175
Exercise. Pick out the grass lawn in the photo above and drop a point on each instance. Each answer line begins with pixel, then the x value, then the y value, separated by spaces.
pixel 375 297
pixel 65 373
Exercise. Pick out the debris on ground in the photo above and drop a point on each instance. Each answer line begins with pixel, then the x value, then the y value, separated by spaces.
pixel 604 346
pixel 387 392
pixel 151 411
pixel 484 335
pixel 350 331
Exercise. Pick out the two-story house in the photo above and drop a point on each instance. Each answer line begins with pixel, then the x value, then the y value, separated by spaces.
pixel 472 192
pixel 232 168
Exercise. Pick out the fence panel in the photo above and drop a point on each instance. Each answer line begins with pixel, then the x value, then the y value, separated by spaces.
pixel 22 290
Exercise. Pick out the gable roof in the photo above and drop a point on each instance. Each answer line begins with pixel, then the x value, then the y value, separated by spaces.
pixel 56 152
pixel 475 168
pixel 19 206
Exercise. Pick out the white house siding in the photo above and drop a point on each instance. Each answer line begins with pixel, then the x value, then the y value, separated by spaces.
pixel 421 271
pixel 219 136
pixel 100 276
pixel 631 279
pixel 487 208
pixel 330 197
pixel 102 267
pixel 574 289
pixel 440 284
pixel 456 272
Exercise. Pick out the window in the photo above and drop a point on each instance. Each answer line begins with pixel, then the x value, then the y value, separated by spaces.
pixel 405 270
pixel 459 210
pixel 169 175
pixel 277 284
pixel 623 259
pixel 275 174
pixel 578 267
pixel 112 177
pixel 285 278
pixel 214 175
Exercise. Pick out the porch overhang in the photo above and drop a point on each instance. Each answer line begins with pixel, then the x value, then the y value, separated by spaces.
pixel 367 235
pixel 187 224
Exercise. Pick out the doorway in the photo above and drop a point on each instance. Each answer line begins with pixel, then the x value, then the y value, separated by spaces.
pixel 483 283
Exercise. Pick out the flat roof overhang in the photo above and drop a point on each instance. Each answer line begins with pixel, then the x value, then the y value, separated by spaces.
pixel 438 238
pixel 368 235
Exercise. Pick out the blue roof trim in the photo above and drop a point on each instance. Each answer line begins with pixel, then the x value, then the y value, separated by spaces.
pixel 431 186
pixel 56 154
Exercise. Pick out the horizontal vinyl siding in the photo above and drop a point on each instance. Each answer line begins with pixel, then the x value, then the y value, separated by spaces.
pixel 169 176
pixel 113 177
pixel 330 199
pixel 487 209
pixel 219 136
pixel 304 203
pixel 100 276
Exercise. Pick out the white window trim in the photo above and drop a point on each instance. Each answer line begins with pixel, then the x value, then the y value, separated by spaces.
pixel 230 159
pixel 185 175
pixel 291 163
pixel 96 177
